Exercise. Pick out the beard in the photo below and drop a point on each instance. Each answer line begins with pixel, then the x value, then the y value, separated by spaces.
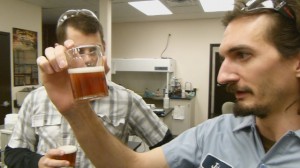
pixel 260 111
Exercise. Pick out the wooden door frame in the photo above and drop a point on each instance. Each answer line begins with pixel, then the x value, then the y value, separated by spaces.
pixel 9 91
pixel 214 49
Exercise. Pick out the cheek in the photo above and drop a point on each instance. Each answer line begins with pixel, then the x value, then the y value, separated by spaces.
pixel 276 84
pixel 263 79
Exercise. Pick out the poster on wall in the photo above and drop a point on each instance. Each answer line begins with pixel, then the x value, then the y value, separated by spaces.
pixel 24 57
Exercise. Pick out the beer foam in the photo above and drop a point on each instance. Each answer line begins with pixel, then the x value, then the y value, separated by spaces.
pixel 86 69
pixel 68 149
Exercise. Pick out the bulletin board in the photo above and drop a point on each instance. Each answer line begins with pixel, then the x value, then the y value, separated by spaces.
pixel 24 57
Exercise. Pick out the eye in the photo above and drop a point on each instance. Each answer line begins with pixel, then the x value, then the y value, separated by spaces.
pixel 220 59
pixel 241 55
pixel 93 53
pixel 90 52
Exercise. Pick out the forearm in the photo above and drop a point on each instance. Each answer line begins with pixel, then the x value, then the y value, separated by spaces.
pixel 21 157
pixel 99 145
pixel 102 148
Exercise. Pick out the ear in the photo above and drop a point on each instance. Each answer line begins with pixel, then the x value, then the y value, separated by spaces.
pixel 298 66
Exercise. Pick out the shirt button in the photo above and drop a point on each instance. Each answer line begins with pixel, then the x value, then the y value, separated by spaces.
pixel 263 166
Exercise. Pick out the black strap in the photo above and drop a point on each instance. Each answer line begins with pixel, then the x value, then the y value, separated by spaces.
pixel 168 137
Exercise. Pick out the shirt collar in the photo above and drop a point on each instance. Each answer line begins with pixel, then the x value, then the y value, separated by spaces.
pixel 297 133
pixel 248 122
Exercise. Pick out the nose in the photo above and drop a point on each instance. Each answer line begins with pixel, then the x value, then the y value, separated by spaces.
pixel 228 73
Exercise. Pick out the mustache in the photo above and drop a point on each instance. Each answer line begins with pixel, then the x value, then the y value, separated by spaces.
pixel 233 88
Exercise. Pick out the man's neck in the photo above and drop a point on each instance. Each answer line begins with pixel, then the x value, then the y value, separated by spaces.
pixel 276 125
pixel 267 143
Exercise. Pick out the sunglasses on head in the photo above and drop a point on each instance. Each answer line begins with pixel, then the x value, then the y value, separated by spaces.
pixel 279 6
pixel 71 13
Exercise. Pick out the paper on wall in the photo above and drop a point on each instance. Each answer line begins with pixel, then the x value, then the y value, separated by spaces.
pixel 178 113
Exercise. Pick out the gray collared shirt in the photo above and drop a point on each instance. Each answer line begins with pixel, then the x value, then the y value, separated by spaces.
pixel 227 141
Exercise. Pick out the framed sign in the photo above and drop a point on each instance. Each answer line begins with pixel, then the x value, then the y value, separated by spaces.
pixel 24 57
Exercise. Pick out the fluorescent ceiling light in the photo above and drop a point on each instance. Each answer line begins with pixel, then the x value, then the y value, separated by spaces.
pixel 217 5
pixel 151 8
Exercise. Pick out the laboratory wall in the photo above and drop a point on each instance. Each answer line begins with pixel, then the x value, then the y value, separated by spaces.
pixel 189 44
pixel 19 14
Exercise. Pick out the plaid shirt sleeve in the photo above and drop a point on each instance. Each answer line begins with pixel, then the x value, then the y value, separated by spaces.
pixel 23 135
pixel 124 112
pixel 145 123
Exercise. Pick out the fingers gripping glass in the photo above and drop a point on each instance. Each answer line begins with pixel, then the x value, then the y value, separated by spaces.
pixel 279 6
pixel 71 13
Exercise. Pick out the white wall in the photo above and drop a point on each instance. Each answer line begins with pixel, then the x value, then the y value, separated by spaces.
pixel 18 14
pixel 189 46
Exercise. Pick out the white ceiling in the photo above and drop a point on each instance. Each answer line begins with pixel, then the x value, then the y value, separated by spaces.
pixel 122 12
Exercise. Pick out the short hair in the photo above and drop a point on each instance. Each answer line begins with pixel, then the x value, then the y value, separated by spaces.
pixel 86 24
pixel 283 32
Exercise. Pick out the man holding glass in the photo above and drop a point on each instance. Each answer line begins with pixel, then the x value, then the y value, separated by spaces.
pixel 41 128
pixel 261 67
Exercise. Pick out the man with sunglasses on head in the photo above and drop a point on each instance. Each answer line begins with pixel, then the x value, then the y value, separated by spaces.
pixel 41 127
pixel 261 67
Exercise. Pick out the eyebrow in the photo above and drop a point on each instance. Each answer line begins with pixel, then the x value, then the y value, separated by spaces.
pixel 237 48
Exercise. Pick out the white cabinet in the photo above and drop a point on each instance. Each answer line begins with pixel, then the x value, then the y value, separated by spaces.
pixel 5 137
pixel 182 117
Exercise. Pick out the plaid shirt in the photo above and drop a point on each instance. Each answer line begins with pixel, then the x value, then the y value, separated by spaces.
pixel 41 127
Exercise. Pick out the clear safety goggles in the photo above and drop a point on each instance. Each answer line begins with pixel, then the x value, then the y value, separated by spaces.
pixel 71 13
pixel 279 6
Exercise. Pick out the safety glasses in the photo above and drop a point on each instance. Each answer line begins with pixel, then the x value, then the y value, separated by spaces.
pixel 87 50
pixel 279 6
pixel 71 13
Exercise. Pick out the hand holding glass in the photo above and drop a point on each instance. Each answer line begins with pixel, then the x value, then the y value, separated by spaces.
pixel 87 72
pixel 70 154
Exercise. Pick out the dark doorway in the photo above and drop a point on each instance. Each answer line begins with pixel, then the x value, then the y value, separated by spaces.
pixel 217 93
pixel 49 36
pixel 5 76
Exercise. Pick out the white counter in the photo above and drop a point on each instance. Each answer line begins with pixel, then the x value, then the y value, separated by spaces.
pixel 4 137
